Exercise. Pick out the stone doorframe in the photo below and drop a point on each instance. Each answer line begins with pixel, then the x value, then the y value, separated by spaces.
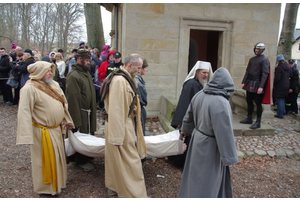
pixel 225 44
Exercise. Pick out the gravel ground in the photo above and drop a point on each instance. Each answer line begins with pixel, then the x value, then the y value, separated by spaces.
pixel 259 176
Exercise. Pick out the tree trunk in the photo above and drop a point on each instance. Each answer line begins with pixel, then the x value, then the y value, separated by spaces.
pixel 94 25
pixel 288 28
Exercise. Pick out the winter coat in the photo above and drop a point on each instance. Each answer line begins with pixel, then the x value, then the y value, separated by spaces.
pixel 15 70
pixel 111 67
pixel 24 71
pixel 4 66
pixel 102 69
pixel 281 80
pixel 294 78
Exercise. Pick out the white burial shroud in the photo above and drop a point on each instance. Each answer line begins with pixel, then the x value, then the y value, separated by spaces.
pixel 157 146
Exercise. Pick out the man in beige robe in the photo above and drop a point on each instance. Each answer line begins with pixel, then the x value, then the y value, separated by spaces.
pixel 123 167
pixel 42 118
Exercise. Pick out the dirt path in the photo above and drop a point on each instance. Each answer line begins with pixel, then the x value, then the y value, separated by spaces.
pixel 259 177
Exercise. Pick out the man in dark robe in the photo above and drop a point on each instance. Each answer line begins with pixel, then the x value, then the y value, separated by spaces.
pixel 81 96
pixel 193 83
pixel 212 148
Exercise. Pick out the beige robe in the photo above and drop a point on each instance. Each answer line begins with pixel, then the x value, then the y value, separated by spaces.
pixel 123 167
pixel 37 106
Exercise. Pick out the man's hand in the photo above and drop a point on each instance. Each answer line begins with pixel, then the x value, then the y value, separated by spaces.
pixel 69 127
pixel 260 90
pixel 290 91
pixel 184 145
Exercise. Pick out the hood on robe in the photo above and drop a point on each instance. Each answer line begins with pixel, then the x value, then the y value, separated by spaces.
pixel 38 69
pixel 220 84
pixel 200 65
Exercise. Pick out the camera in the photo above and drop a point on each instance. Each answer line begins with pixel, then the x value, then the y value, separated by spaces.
pixel 17 62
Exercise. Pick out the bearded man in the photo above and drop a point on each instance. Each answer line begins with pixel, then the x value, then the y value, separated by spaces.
pixel 42 118
pixel 81 96
pixel 124 148
pixel 194 82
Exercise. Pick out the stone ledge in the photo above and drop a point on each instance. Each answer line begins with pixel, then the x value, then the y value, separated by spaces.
pixel 243 129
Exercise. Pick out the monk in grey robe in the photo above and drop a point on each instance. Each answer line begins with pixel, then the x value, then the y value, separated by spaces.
pixel 212 148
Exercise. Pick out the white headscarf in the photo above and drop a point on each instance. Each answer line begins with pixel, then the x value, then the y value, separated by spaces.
pixel 199 65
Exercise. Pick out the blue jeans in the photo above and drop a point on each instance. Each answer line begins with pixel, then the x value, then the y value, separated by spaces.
pixel 280 107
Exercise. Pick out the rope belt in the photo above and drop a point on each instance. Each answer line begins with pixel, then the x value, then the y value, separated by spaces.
pixel 89 113
pixel 48 157
pixel 205 133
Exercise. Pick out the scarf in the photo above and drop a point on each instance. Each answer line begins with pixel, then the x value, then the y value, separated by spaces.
pixel 141 145
pixel 48 90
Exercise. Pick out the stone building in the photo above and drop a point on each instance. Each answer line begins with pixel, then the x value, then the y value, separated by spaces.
pixel 173 36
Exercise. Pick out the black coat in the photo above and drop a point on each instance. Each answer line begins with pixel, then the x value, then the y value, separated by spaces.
pixel 294 78
pixel 23 70
pixel 4 66
pixel 281 80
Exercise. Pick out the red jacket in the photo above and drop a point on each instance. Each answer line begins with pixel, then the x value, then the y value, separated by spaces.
pixel 103 67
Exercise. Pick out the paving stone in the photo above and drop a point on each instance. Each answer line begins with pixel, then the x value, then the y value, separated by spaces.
pixel 271 153
pixel 249 153
pixel 289 153
pixel 147 133
pixel 260 152
pixel 297 151
pixel 240 154
pixel 280 153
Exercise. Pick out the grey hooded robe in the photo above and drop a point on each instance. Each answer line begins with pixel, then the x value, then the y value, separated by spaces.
pixel 212 147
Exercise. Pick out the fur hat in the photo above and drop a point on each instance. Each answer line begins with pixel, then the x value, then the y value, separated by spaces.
pixel 83 53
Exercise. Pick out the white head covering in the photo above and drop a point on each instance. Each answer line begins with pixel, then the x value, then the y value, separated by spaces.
pixel 199 65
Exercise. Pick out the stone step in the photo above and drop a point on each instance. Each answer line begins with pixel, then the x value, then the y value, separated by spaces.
pixel 243 129
pixel 238 128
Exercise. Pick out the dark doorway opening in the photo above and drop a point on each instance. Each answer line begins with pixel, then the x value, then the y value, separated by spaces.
pixel 204 46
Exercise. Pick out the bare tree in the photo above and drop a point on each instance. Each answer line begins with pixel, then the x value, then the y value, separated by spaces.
pixel 288 28
pixel 42 26
pixel 94 25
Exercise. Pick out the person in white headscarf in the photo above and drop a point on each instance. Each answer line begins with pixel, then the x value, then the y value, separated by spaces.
pixel 194 82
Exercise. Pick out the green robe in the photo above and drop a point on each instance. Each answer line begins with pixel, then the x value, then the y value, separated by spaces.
pixel 81 96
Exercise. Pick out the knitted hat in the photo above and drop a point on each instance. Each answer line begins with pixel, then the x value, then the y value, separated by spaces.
pixel 280 57
pixel 81 42
pixel 13 45
pixel 46 58
pixel 291 61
